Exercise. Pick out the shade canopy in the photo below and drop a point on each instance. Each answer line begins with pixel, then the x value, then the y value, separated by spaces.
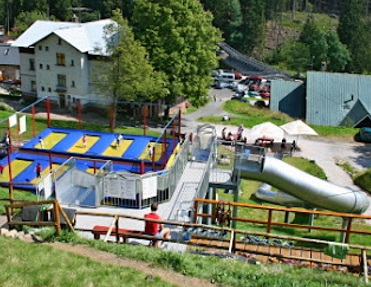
pixel 267 130
pixel 297 128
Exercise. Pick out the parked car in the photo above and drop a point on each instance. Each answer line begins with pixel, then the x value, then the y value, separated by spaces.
pixel 365 134
pixel 240 98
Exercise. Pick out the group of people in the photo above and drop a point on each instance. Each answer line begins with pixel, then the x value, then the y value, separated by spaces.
pixel 292 146
pixel 230 137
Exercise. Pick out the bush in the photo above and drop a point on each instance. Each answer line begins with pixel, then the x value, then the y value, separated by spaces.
pixel 363 180
pixel 5 107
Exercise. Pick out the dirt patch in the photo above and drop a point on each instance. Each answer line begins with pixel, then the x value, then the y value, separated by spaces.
pixel 109 258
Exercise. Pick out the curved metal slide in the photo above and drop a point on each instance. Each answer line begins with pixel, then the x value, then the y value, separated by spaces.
pixel 313 191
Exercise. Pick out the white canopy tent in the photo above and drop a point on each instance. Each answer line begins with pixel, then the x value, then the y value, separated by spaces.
pixel 297 128
pixel 268 130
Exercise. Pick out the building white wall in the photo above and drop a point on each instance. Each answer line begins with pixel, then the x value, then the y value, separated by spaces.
pixel 27 75
pixel 76 69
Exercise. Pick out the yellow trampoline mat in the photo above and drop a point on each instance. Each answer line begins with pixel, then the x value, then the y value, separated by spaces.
pixel 79 148
pixel 114 150
pixel 51 140
pixel 158 152
pixel 17 167
pixel 172 157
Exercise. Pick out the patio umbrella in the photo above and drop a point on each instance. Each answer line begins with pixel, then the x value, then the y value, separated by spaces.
pixel 268 130
pixel 297 128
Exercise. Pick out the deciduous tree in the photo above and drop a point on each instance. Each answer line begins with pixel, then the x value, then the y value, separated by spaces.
pixel 181 42
pixel 337 55
pixel 127 74
pixel 315 39
pixel 354 32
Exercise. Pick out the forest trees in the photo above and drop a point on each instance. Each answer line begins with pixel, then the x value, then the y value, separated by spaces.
pixel 354 32
pixel 182 42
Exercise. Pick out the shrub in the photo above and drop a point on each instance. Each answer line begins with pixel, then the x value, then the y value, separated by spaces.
pixel 5 107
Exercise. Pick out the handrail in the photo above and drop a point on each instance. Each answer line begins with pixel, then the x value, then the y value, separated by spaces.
pixel 269 221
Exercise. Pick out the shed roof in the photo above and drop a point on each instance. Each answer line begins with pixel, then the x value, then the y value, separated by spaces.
pixel 9 56
pixel 85 37
pixel 357 114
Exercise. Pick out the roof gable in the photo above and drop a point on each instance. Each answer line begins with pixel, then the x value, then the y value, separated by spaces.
pixel 85 37
pixel 356 114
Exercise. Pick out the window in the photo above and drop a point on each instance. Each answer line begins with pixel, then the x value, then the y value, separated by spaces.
pixel 61 80
pixel 61 59
pixel 59 41
pixel 46 48
pixel 40 48
pixel 73 84
pixel 32 64
pixel 72 63
pixel 47 67
pixel 41 66
pixel 6 52
pixel 33 86
pixel 49 90
pixel 43 89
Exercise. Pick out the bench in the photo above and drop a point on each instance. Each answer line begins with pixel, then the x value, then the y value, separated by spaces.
pixel 125 234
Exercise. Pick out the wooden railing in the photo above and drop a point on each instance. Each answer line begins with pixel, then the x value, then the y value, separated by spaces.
pixel 269 223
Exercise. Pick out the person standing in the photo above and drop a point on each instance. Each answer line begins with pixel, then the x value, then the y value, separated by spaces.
pixel 224 133
pixel 154 228
pixel 1 169
pixel 119 139
pixel 239 133
pixel 38 170
pixel 293 147
pixel 283 145
pixel 41 142
pixel 84 141
pixel 150 151
pixel 7 140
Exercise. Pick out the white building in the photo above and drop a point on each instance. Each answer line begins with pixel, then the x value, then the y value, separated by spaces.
pixel 57 59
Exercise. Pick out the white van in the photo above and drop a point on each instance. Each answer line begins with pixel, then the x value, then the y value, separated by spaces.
pixel 225 77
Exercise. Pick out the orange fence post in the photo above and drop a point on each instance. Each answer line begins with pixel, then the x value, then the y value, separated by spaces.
pixel 48 111
pixel 33 121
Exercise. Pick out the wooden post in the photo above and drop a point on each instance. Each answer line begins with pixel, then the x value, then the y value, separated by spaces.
pixel 110 229
pixel 112 117
pixel 50 161
pixel 69 224
pixel 164 149
pixel 365 268
pixel 232 242
pixel 48 111
pixel 57 220
pixel 117 229
pixel 349 230
pixel 195 211
pixel 142 170
pixel 153 158
pixel 269 221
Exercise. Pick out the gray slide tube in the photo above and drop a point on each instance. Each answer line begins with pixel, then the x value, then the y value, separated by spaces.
pixel 312 190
